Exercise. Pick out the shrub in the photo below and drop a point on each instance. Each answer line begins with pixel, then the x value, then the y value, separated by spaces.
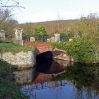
pixel 82 50
pixel 8 86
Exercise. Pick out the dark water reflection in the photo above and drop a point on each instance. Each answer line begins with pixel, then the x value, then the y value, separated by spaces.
pixel 58 90
pixel 27 75
pixel 79 82
pixel 46 64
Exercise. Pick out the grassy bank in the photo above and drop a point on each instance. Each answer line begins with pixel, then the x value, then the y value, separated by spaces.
pixel 8 86
pixel 15 47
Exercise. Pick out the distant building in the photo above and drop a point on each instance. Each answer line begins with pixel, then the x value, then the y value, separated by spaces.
pixel 2 35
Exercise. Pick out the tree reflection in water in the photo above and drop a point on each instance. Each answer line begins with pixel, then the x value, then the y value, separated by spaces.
pixel 57 89
pixel 80 82
pixel 86 80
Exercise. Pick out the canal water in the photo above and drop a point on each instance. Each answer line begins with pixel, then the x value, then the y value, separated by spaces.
pixel 58 79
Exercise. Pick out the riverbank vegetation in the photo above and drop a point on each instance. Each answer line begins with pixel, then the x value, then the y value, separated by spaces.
pixel 82 76
pixel 82 50
pixel 83 46
pixel 8 86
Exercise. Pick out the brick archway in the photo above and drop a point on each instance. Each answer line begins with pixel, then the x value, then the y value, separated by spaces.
pixel 44 47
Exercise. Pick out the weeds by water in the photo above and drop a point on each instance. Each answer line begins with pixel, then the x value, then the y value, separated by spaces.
pixel 82 75
pixel 8 86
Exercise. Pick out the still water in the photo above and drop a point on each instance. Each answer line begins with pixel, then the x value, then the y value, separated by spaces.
pixel 57 79
pixel 58 90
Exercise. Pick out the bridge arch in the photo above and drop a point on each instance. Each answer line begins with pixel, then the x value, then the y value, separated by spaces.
pixel 42 47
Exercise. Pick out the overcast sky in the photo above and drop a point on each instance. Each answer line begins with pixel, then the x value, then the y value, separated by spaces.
pixel 47 10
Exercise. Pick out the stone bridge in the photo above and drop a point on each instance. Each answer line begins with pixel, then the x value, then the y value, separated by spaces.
pixel 46 67
pixel 44 47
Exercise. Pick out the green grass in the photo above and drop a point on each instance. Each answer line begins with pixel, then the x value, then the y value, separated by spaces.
pixel 8 86
pixel 15 47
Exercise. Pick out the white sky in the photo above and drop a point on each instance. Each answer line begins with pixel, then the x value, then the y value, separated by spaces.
pixel 47 10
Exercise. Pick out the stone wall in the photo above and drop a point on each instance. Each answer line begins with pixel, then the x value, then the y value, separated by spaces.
pixel 24 76
pixel 20 58
pixel 61 54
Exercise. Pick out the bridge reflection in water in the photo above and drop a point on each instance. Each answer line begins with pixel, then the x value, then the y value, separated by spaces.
pixel 46 66
pixel 83 81
pixel 26 75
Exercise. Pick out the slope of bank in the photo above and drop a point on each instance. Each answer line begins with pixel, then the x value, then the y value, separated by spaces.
pixel 8 86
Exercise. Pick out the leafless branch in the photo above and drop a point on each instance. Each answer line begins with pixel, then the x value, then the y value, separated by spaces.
pixel 14 5
pixel 6 9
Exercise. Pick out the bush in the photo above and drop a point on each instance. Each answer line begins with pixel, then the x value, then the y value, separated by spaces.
pixel 82 50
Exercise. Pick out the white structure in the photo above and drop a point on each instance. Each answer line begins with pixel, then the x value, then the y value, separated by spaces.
pixel 52 39
pixel 18 36
pixel 48 40
pixel 70 40
pixel 2 35
pixel 57 37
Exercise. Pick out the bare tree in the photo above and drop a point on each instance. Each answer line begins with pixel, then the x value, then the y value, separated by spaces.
pixel 6 15
pixel 7 7
pixel 14 4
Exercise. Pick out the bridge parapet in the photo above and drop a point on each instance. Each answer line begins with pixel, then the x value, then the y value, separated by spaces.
pixel 40 47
